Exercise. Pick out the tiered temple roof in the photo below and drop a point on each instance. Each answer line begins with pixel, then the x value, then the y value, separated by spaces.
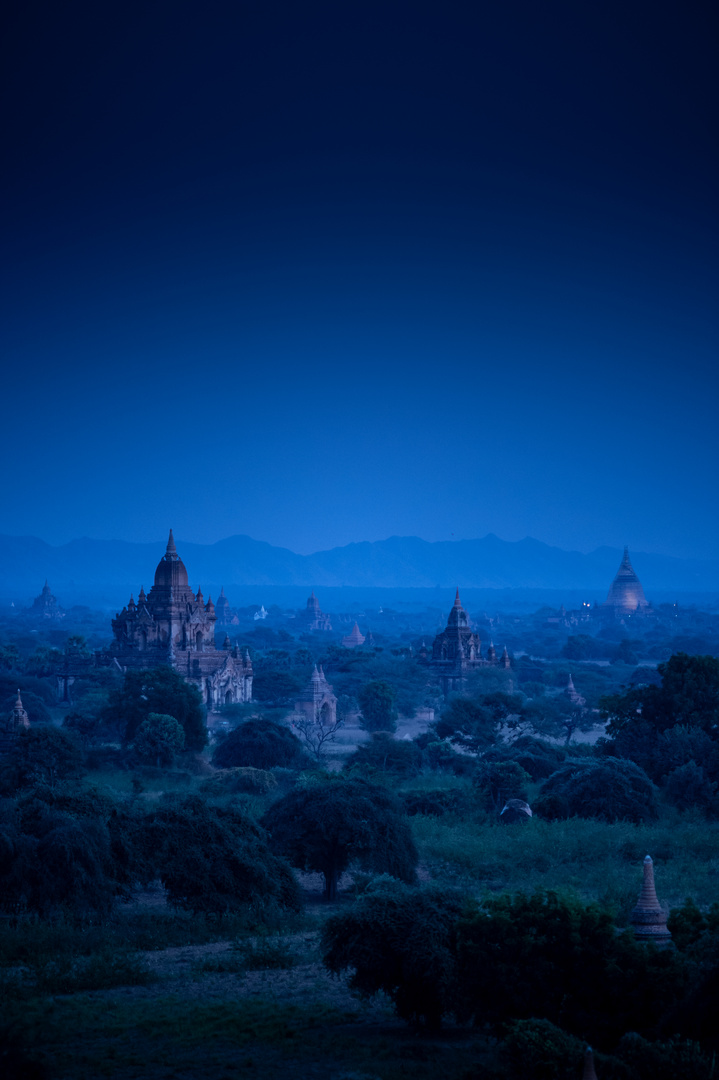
pixel 173 625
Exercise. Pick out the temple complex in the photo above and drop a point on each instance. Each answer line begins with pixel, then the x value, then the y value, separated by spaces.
pixel 317 702
pixel 457 650
pixel 626 595
pixel 12 725
pixel 313 618
pixel 173 625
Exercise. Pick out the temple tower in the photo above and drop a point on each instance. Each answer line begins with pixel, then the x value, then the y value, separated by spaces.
pixel 626 595
pixel 648 917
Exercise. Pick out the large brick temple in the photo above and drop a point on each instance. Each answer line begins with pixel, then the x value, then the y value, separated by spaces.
pixel 172 625
pixel 457 650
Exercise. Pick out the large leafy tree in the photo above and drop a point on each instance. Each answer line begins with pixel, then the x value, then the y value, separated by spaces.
pixel 554 958
pixel 611 789
pixel 43 754
pixel 216 860
pixel 159 738
pixel 326 826
pixel 400 940
pixel 378 702
pixel 260 744
pixel 159 690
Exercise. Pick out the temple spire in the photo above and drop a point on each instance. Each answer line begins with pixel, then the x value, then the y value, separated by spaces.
pixel 589 1070
pixel 648 917
pixel 457 601
pixel 171 549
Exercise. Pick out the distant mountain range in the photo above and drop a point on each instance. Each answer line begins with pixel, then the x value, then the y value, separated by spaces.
pixel 114 568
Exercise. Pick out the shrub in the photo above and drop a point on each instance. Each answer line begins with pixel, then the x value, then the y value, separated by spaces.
pixel 399 940
pixel 688 786
pixel 260 744
pixel 553 958
pixel 385 754
pixel 611 789
pixel 240 781
pixel 434 803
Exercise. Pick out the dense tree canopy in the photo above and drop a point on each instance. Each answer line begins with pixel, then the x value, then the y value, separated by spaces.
pixel 326 826
pixel 611 789
pixel 216 859
pixel 400 940
pixel 261 744
pixel 378 702
pixel 42 754
pixel 159 738
pixel 159 690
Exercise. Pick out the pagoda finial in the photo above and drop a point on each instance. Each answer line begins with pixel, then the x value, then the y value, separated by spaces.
pixel 171 549
pixel 589 1071
pixel 457 601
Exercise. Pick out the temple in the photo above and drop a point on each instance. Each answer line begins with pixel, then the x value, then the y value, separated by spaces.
pixel 313 617
pixel 317 701
pixel 12 725
pixel 45 606
pixel 457 650
pixel 172 625
pixel 626 595
pixel 223 612
pixel 353 640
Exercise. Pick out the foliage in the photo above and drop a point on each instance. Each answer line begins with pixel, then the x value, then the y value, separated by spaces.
pixel 540 1049
pixel 612 789
pixel 275 685
pixel 52 861
pixel 400 940
pixel 551 957
pixel 688 786
pixel 216 860
pixel 327 825
pixel 318 729
pixel 159 690
pixel 384 754
pixel 159 738
pixel 378 702
pixel 497 781
pixel 239 781
pixel 260 744
pixel 434 802
pixel 468 723
pixel 42 754
pixel 539 759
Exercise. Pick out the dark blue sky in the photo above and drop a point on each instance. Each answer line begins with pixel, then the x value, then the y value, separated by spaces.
pixel 331 272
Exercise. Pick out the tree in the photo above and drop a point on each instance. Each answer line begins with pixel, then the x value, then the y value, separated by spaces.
pixel 469 724
pixel 159 690
pixel 275 685
pixel 385 754
pixel 326 826
pixel 43 754
pixel 399 940
pixel 318 729
pixel 260 744
pixel 497 781
pixel 551 957
pixel 159 738
pixel 378 702
pixel 215 860
pixel 611 789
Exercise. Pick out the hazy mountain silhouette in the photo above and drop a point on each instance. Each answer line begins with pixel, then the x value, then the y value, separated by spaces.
pixel 112 566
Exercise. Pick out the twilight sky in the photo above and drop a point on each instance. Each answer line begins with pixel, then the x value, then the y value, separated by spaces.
pixel 326 272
